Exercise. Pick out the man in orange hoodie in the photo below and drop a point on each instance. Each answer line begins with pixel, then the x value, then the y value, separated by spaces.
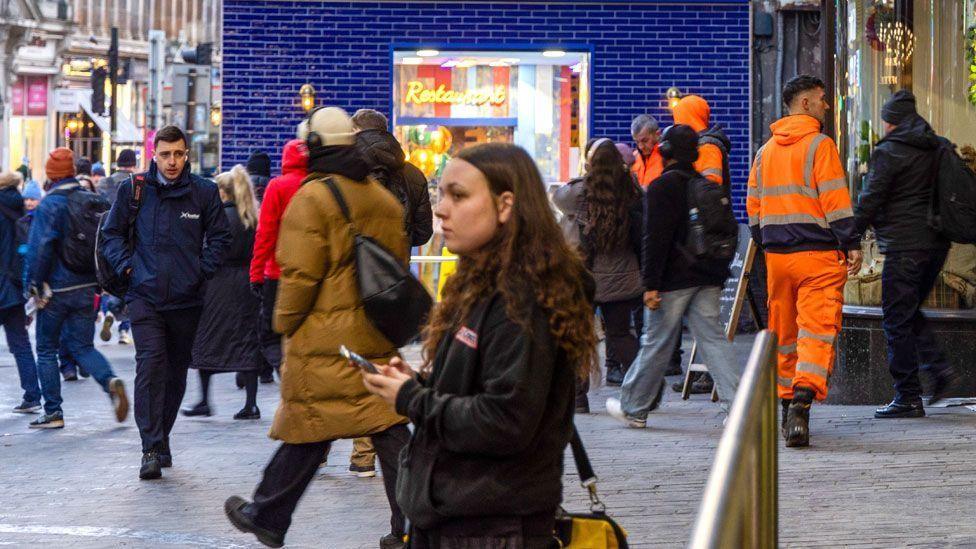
pixel 800 214
pixel 713 144
pixel 648 163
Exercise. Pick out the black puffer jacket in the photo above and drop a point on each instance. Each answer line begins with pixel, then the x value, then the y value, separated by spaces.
pixel 385 158
pixel 895 198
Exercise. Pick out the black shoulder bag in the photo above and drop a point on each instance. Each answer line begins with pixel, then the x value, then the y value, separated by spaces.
pixel 593 530
pixel 108 279
pixel 396 303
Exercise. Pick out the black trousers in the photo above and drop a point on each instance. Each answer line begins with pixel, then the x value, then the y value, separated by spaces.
pixel 292 467
pixel 270 341
pixel 528 532
pixel 164 343
pixel 906 281
pixel 619 320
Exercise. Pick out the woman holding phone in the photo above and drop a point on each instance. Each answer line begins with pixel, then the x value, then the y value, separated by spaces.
pixel 493 403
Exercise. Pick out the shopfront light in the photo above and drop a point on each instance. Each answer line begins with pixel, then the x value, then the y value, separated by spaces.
pixel 673 95
pixel 498 64
pixel 428 53
pixel 216 117
pixel 553 53
pixel 72 125
pixel 307 92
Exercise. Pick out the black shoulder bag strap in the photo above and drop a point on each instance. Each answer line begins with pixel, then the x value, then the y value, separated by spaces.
pixel 587 477
pixel 135 204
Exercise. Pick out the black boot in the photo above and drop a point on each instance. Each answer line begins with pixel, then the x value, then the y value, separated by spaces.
pixel 239 513
pixel 201 409
pixel 704 385
pixel 901 409
pixel 785 403
pixel 248 412
pixel 615 375
pixel 151 468
pixel 798 418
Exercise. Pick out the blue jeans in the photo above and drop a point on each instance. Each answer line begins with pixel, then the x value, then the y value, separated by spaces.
pixel 662 329
pixel 14 322
pixel 69 316
pixel 114 305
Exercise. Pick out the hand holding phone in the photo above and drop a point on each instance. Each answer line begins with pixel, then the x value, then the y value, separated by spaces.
pixel 363 364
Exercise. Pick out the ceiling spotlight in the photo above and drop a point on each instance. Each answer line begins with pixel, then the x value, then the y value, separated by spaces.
pixel 553 53
pixel 427 53
pixel 498 64
pixel 412 60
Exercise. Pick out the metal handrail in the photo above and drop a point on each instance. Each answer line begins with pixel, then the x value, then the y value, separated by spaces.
pixel 739 508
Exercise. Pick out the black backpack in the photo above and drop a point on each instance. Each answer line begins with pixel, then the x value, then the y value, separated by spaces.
pixel 713 232
pixel 16 270
pixel 952 211
pixel 85 209
pixel 396 303
pixel 109 280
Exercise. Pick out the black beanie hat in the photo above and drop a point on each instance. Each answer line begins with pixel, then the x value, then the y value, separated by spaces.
pixel 259 163
pixel 899 107
pixel 680 143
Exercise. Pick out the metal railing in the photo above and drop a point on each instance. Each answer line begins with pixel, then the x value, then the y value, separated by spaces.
pixel 739 508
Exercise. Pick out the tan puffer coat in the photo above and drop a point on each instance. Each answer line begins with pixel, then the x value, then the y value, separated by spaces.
pixel 318 309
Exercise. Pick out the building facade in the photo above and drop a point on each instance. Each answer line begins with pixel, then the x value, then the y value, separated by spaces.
pixel 545 75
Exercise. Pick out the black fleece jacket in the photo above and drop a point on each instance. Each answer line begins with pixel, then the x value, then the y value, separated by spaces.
pixel 666 266
pixel 895 199
pixel 492 422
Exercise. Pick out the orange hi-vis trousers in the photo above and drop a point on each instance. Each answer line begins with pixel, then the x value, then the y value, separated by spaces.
pixel 806 295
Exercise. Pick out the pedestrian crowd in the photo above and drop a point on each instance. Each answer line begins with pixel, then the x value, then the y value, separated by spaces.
pixel 262 276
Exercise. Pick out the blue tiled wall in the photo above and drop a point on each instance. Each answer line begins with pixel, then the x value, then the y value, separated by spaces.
pixel 640 48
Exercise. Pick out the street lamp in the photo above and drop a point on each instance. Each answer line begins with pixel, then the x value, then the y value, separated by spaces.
pixel 308 97
pixel 215 116
pixel 673 95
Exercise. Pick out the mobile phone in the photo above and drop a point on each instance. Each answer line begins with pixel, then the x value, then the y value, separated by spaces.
pixel 364 364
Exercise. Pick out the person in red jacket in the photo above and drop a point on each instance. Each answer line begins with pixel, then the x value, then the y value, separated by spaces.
pixel 264 270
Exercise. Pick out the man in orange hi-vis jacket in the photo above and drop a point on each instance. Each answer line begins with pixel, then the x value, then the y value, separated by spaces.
pixel 800 214
pixel 713 145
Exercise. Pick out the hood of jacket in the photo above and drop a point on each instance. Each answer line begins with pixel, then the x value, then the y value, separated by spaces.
pixel 914 132
pixel 294 157
pixel 718 133
pixel 791 129
pixel 380 149
pixel 693 111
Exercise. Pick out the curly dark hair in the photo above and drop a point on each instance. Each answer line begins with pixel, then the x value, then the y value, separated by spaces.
pixel 528 262
pixel 609 192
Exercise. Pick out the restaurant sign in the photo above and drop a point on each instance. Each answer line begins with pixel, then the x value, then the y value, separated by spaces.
pixel 420 94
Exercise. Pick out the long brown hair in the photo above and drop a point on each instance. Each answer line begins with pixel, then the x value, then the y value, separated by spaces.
pixel 528 261
pixel 610 192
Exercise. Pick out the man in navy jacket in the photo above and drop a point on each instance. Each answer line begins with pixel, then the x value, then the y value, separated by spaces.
pixel 180 234
pixel 65 298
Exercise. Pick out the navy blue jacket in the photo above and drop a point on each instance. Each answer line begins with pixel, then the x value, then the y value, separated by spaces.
pixel 11 209
pixel 43 260
pixel 181 234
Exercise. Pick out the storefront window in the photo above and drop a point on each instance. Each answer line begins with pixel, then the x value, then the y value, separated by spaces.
pixel 927 47
pixel 447 100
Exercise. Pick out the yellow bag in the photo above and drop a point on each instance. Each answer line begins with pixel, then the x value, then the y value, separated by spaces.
pixel 593 530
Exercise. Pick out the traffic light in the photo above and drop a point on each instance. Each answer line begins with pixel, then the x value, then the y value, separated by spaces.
pixel 200 55
pixel 98 76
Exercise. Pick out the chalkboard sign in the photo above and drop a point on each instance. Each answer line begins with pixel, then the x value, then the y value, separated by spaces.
pixel 734 289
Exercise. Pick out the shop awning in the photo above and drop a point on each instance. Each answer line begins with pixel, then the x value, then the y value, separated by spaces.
pixel 125 131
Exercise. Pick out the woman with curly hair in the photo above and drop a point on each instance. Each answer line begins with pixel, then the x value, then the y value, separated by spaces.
pixel 493 404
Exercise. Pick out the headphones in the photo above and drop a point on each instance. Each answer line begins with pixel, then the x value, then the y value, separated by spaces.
pixel 313 139
pixel 664 145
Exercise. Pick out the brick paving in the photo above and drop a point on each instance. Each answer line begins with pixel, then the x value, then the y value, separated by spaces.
pixel 863 483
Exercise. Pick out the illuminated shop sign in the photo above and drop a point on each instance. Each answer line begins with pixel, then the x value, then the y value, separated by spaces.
pixel 419 94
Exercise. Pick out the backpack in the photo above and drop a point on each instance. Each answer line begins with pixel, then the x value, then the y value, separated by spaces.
pixel 395 302
pixel 108 279
pixel 713 232
pixel 952 210
pixel 85 208
pixel 726 174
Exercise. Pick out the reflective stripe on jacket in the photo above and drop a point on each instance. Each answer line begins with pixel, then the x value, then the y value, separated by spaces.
pixel 797 196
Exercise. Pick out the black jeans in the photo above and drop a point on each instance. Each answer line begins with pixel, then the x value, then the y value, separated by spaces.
pixel 906 281
pixel 270 341
pixel 619 318
pixel 164 342
pixel 291 470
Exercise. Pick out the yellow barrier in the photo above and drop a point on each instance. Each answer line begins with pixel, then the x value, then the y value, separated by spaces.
pixel 740 505
pixel 434 270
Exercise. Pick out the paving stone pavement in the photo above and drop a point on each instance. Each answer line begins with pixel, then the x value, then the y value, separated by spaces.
pixel 863 483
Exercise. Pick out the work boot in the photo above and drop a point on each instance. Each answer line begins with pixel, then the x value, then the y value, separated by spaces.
pixel 901 409
pixel 798 418
pixel 151 467
pixel 703 385
pixel 785 403
pixel 165 455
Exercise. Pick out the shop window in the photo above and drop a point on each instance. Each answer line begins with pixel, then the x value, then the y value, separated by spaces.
pixel 447 100
pixel 928 47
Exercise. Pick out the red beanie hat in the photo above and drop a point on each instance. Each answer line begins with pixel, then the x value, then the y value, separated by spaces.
pixel 60 164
